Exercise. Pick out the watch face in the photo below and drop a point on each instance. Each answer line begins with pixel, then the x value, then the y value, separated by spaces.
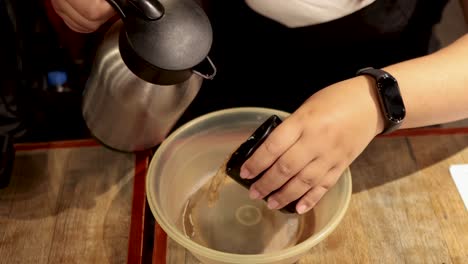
pixel 391 98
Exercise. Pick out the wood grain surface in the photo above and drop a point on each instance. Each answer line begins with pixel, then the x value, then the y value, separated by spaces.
pixel 67 205
pixel 405 207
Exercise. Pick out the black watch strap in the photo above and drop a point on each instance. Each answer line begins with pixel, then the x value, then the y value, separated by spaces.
pixel 375 73
pixel 391 102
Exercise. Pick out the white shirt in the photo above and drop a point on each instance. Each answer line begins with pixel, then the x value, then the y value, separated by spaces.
pixel 298 13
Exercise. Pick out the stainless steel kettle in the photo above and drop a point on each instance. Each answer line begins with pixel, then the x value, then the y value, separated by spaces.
pixel 145 72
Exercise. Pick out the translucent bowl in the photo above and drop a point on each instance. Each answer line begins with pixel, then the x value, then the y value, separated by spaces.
pixel 187 160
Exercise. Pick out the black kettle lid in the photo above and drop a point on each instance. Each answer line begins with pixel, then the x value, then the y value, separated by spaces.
pixel 172 35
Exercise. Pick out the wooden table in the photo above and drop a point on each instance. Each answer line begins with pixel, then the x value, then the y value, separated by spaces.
pixel 67 202
pixel 405 207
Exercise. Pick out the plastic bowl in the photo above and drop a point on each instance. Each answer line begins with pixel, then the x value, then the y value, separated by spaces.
pixel 188 159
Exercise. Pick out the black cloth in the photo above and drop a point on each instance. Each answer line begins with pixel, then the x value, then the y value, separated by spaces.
pixel 263 63
pixel 30 48
pixel 27 48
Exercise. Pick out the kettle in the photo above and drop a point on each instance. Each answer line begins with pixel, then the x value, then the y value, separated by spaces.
pixel 144 74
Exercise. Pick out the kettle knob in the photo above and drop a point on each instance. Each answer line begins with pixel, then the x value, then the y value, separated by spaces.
pixel 150 9
pixel 147 9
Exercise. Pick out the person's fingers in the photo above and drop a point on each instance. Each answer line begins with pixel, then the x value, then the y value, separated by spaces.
pixel 92 10
pixel 289 164
pixel 82 16
pixel 73 25
pixel 301 183
pixel 280 140
pixel 312 197
pixel 89 20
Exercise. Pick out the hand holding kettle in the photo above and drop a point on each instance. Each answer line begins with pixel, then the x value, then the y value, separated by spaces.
pixel 145 71
pixel 83 16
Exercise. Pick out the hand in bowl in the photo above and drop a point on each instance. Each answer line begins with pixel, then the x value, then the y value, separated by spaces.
pixel 306 154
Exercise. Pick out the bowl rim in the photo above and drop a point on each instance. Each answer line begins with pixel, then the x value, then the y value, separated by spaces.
pixel 209 253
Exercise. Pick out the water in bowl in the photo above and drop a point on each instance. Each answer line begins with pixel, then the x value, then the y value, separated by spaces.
pixel 234 223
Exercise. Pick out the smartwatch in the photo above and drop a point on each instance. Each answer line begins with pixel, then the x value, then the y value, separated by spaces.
pixel 391 102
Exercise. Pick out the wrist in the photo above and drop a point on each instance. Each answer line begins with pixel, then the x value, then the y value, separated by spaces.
pixel 354 100
pixel 364 88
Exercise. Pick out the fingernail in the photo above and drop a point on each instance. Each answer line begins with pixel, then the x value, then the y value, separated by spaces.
pixel 254 194
pixel 272 204
pixel 301 209
pixel 244 173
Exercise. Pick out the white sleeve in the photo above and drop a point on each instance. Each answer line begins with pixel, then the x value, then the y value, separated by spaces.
pixel 298 13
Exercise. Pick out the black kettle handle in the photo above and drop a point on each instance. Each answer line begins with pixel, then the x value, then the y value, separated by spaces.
pixel 147 9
